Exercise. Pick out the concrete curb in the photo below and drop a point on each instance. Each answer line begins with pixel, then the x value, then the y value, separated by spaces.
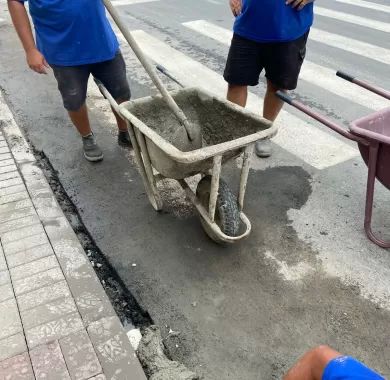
pixel 91 316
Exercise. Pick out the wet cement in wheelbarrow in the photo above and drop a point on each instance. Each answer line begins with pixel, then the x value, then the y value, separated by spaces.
pixel 216 121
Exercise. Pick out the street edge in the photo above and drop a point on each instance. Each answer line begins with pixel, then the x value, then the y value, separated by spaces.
pixel 79 273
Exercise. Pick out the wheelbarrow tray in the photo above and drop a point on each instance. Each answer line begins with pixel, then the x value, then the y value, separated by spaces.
pixel 375 128
pixel 226 128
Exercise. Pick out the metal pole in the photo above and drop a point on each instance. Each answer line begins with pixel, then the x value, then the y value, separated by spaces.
pixel 214 186
pixel 248 151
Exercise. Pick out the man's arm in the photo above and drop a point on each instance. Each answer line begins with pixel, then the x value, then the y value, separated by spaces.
pixel 20 19
pixel 236 7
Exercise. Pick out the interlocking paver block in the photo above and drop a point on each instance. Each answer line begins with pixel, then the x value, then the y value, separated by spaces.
pixel 7 163
pixel 10 182
pixel 5 156
pixel 6 292
pixel 13 197
pixel 114 351
pixel 52 330
pixel 25 244
pixel 48 312
pixel 19 228
pixel 9 175
pixel 23 228
pixel 9 319
pixel 80 357
pixel 12 345
pixel 5 209
pixel 12 190
pixel 3 264
pixel 9 167
pixel 17 368
pixel 29 255
pixel 91 299
pixel 4 277
pixel 38 280
pixel 17 214
pixel 48 362
pixel 34 267
pixel 43 295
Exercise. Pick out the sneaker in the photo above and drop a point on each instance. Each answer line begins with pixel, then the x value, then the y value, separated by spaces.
pixel 124 139
pixel 263 148
pixel 92 152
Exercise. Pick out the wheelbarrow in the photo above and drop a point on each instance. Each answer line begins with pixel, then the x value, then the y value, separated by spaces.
pixel 184 133
pixel 227 131
pixel 372 134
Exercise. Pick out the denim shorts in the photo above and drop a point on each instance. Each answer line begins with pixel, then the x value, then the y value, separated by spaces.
pixel 347 368
pixel 73 81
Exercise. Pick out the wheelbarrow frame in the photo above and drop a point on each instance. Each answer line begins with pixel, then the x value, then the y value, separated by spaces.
pixel 367 140
pixel 140 133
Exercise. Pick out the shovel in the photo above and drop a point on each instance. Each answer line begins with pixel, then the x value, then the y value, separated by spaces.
pixel 189 136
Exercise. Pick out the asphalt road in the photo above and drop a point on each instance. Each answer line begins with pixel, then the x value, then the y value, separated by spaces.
pixel 307 275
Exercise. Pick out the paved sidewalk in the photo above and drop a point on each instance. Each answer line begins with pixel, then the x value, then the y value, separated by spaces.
pixel 56 321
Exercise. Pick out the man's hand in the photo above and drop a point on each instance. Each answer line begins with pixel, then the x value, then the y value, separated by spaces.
pixel 37 61
pixel 236 7
pixel 298 4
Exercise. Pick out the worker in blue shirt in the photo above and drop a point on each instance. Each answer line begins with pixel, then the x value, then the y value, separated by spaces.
pixel 75 39
pixel 268 35
pixel 325 363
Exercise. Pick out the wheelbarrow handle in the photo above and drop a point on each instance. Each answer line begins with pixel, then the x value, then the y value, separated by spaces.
pixel 164 71
pixel 322 119
pixel 376 90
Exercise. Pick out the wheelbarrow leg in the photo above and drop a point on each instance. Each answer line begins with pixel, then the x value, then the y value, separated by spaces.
pixel 246 159
pixel 214 186
pixel 149 181
pixel 372 165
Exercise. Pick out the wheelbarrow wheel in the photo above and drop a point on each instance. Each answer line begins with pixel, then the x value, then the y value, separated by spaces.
pixel 227 214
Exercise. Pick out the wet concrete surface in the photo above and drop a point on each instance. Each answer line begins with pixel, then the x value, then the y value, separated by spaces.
pixel 243 312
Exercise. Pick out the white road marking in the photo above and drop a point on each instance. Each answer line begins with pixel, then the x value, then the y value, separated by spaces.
pixel 317 148
pixel 311 72
pixel 367 4
pixel 131 2
pixel 351 45
pixel 352 19
pixel 1 20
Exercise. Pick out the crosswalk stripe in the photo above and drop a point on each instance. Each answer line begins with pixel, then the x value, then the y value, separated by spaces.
pixel 352 19
pixel 366 4
pixel 351 45
pixel 317 148
pixel 311 72
pixel 131 2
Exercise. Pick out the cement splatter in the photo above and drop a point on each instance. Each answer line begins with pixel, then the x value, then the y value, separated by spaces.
pixel 156 364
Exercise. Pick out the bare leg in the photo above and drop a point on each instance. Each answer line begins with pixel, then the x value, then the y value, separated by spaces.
pixel 122 126
pixel 271 109
pixel 311 366
pixel 81 121
pixel 237 94
pixel 272 104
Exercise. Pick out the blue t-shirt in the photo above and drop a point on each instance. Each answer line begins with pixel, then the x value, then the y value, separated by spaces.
pixel 73 32
pixel 272 21
pixel 348 368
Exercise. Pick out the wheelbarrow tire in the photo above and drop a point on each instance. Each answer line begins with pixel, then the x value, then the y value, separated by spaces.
pixel 227 214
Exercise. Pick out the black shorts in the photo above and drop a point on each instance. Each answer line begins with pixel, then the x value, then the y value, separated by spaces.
pixel 282 62
pixel 73 81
